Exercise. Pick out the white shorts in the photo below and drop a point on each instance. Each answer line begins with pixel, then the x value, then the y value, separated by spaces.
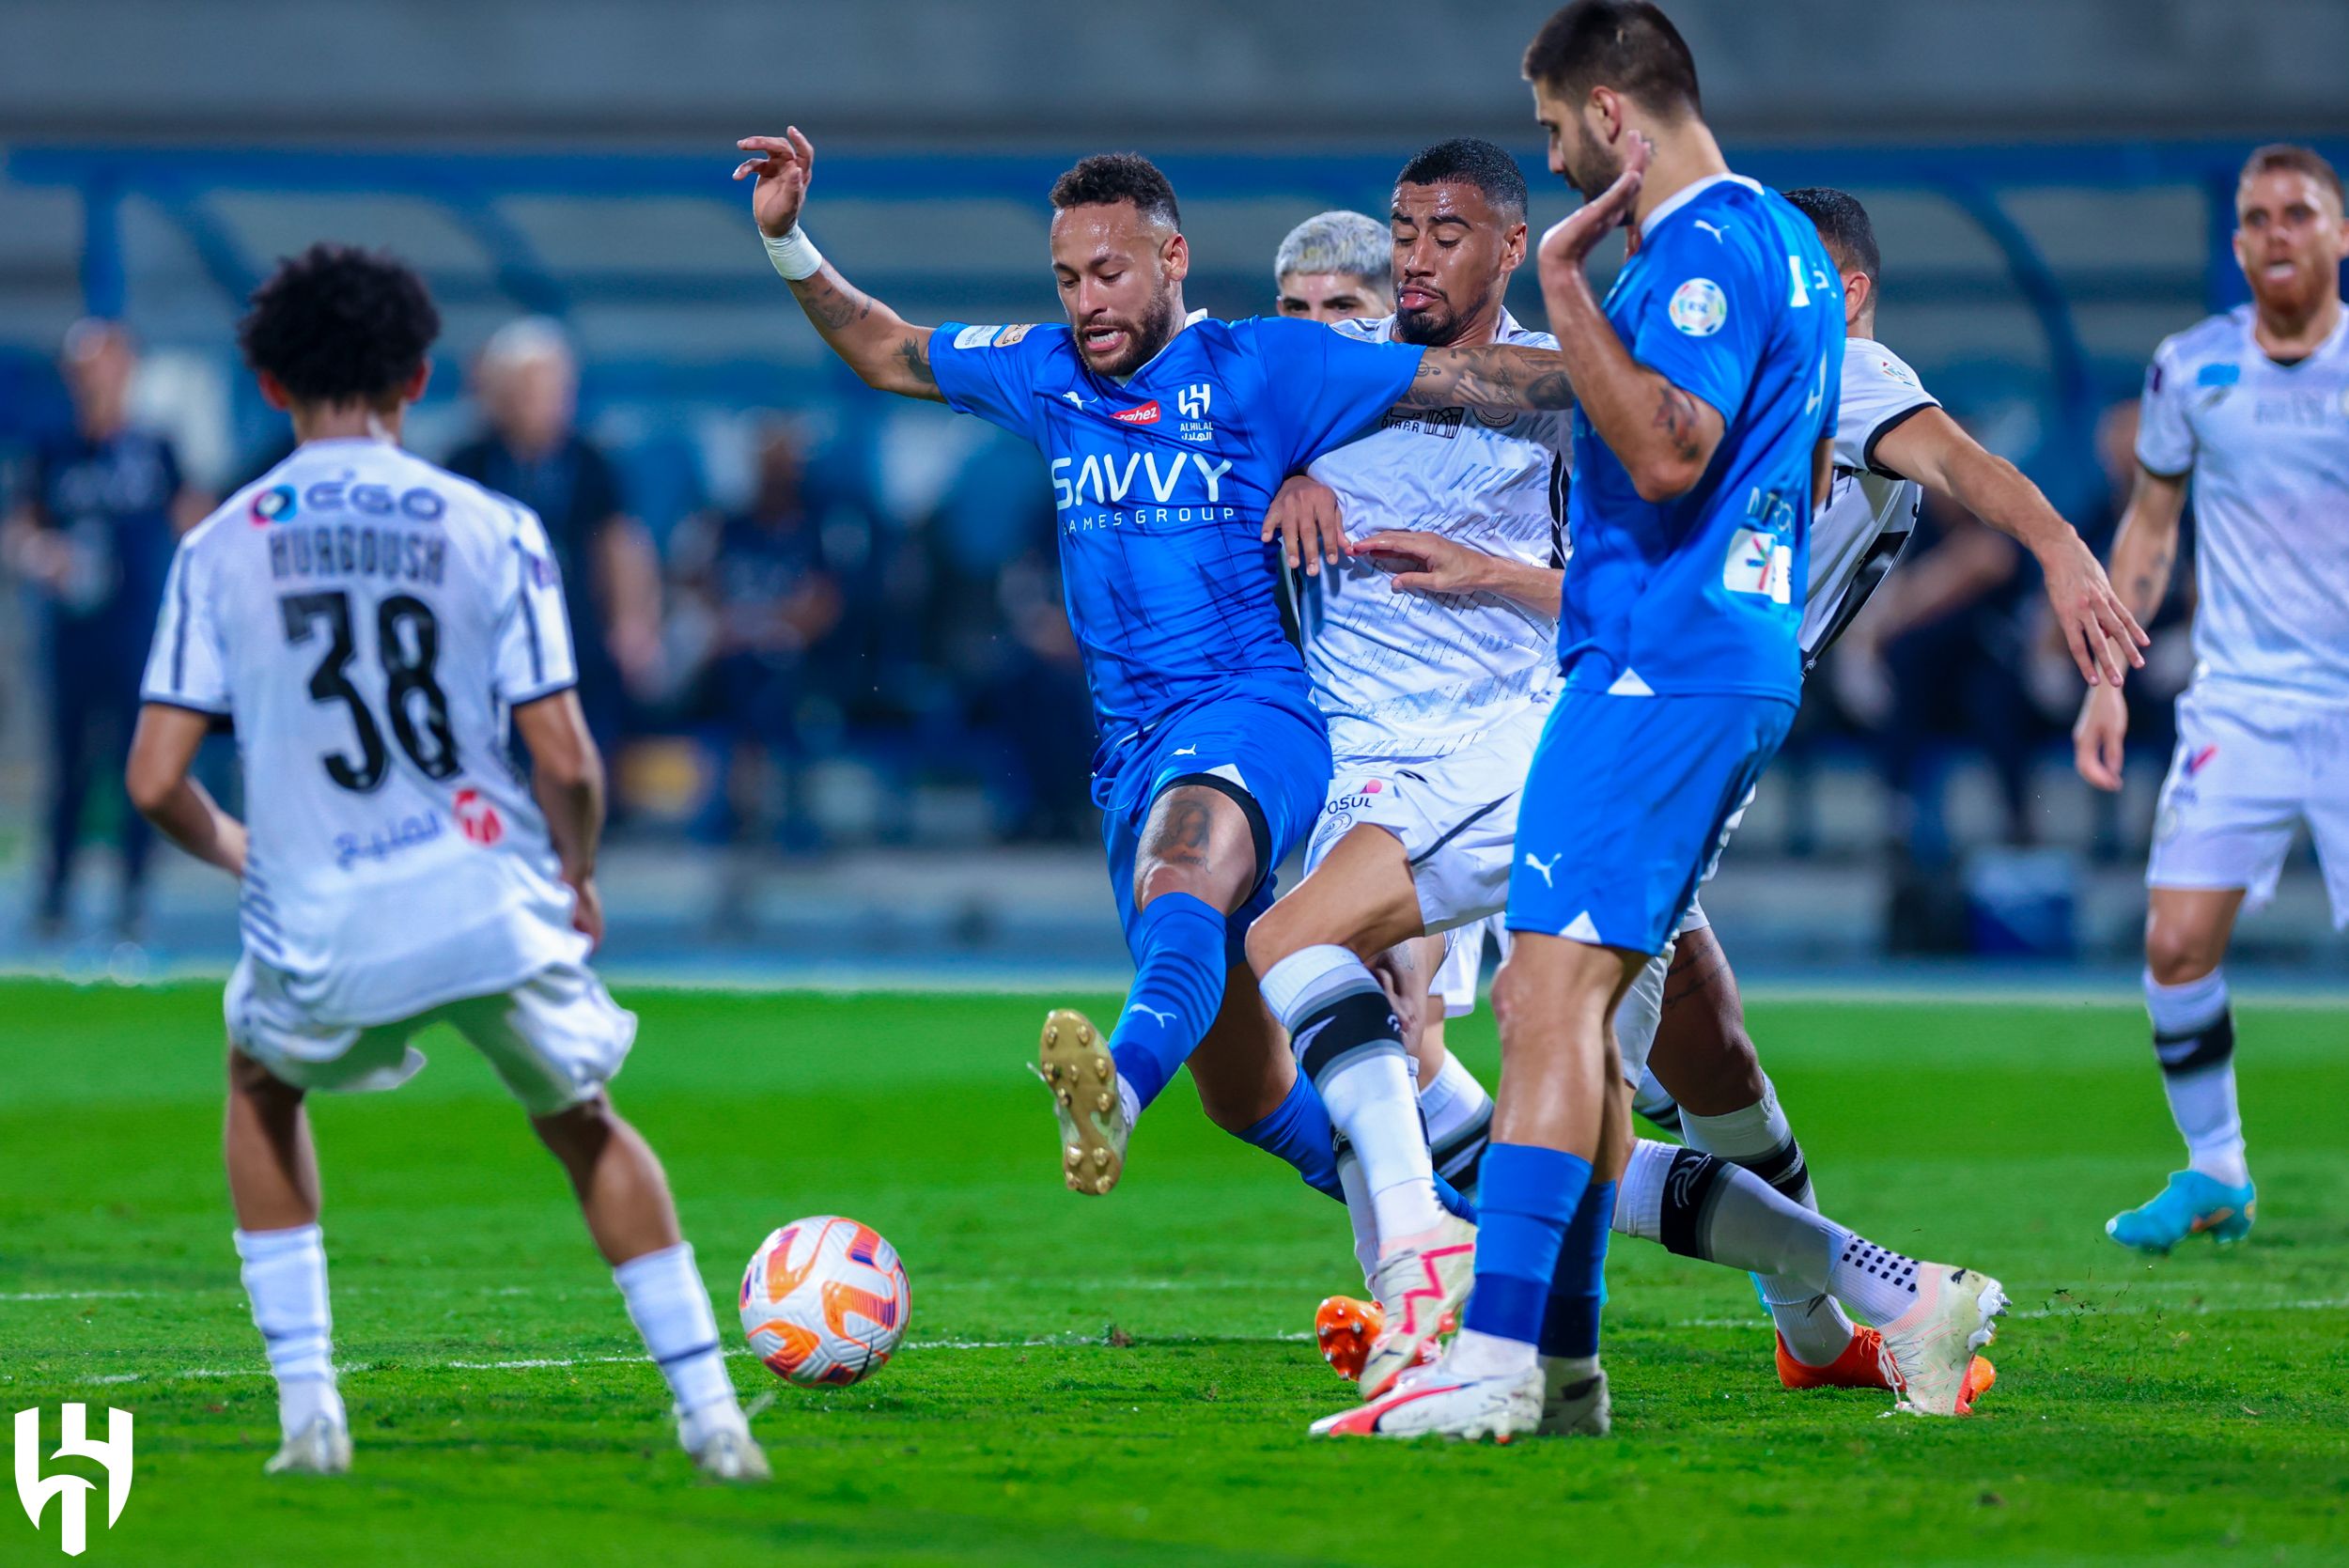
pixel 1635 1017
pixel 1463 963
pixel 2249 770
pixel 1456 815
pixel 556 1039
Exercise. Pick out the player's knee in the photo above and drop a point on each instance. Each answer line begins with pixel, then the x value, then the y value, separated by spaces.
pixel 577 1133
pixel 2177 950
pixel 1155 878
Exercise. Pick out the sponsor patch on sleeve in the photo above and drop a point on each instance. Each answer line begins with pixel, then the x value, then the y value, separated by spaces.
pixel 977 337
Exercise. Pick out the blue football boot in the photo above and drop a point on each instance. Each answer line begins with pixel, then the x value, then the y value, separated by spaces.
pixel 2191 1204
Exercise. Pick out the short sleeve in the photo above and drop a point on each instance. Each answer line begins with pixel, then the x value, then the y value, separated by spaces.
pixel 1703 318
pixel 1881 392
pixel 991 372
pixel 534 657
pixel 2165 437
pixel 1326 388
pixel 188 665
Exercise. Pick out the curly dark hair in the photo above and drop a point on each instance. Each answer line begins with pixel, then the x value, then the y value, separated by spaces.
pixel 339 324
pixel 1107 177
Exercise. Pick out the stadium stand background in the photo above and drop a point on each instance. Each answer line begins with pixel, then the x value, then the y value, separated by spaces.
pixel 2050 184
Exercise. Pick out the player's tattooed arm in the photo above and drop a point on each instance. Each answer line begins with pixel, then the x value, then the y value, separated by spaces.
pixel 1663 435
pixel 881 347
pixel 1490 376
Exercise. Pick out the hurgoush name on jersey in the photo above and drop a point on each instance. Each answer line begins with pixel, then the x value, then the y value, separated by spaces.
pixel 367 622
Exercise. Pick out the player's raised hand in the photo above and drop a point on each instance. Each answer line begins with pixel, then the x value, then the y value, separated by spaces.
pixel 2098 734
pixel 1306 517
pixel 1425 562
pixel 783 167
pixel 2105 638
pixel 1574 236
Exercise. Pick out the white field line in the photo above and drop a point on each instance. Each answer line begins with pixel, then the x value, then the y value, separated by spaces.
pixel 1067 1342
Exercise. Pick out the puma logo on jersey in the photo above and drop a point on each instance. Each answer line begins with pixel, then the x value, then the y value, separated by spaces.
pixel 1713 229
pixel 1533 864
pixel 1187 751
pixel 1165 1020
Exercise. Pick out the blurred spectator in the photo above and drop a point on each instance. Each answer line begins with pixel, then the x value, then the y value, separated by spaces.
pixel 761 582
pixel 92 534
pixel 1938 656
pixel 527 382
pixel 1042 708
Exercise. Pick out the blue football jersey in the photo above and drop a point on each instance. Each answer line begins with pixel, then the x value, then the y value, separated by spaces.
pixel 1161 486
pixel 1732 298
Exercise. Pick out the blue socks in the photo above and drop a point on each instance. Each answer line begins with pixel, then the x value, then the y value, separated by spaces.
pixel 1527 1197
pixel 1179 947
pixel 1577 1288
pixel 1299 1131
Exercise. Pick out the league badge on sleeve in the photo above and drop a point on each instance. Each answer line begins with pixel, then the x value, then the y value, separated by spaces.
pixel 1699 307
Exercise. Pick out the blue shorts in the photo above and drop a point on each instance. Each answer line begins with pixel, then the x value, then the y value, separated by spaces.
pixel 1626 807
pixel 1271 758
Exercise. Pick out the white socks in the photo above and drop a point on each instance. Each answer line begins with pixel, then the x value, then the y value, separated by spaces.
pixel 669 1307
pixel 1350 1045
pixel 2194 1037
pixel 1476 1354
pixel 1760 1139
pixel 1455 1102
pixel 284 1276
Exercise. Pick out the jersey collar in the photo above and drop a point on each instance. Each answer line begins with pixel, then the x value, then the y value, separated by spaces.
pixel 1687 193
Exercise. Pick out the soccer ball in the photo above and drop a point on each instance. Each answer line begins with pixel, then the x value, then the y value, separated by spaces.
pixel 824 1301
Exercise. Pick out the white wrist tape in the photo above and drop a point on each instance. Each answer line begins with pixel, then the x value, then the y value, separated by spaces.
pixel 794 255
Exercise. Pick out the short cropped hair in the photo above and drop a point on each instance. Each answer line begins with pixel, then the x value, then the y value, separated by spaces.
pixel 1628 45
pixel 1108 177
pixel 1471 161
pixel 1351 244
pixel 1842 225
pixel 339 324
pixel 2299 160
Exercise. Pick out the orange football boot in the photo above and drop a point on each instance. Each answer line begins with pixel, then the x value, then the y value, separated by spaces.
pixel 1858 1368
pixel 1345 1327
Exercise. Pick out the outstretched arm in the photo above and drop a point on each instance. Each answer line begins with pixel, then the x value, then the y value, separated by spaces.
pixel 1931 448
pixel 1490 376
pixel 880 345
pixel 2143 552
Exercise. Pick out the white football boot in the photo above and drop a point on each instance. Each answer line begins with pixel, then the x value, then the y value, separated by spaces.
pixel 1575 1408
pixel 1928 1349
pixel 1421 1282
pixel 1073 1060
pixel 321 1448
pixel 1433 1403
pixel 719 1438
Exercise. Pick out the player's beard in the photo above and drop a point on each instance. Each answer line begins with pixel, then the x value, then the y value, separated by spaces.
pixel 1431 327
pixel 1593 166
pixel 1143 338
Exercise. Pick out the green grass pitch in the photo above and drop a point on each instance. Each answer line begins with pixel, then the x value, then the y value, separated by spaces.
pixel 1127 1381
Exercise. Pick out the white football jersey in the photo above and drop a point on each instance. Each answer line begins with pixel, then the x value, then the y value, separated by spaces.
pixel 367 621
pixel 2268 446
pixel 1419 675
pixel 1870 512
